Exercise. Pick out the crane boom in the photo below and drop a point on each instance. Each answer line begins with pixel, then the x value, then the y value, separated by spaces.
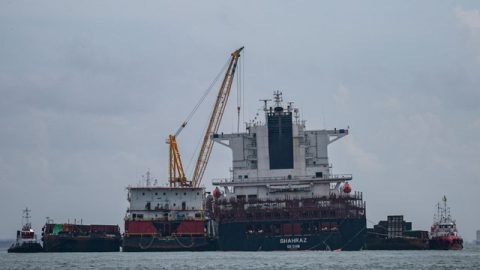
pixel 215 119
pixel 177 173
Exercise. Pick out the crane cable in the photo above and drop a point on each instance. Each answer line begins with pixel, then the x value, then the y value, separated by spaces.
pixel 240 101
pixel 205 94
pixel 200 140
pixel 239 94
pixel 190 115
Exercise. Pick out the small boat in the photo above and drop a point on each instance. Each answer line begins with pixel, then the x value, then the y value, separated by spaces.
pixel 26 239
pixel 444 234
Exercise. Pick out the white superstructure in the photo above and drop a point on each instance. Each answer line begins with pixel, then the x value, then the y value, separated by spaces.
pixel 443 223
pixel 278 157
pixel 26 235
pixel 153 202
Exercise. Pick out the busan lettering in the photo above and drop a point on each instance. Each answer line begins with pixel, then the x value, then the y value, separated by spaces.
pixel 293 240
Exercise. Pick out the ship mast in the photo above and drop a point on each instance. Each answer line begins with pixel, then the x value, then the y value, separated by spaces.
pixel 26 217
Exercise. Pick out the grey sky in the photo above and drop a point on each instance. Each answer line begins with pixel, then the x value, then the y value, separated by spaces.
pixel 89 90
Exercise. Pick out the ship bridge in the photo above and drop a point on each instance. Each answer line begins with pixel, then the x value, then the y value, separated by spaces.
pixel 280 154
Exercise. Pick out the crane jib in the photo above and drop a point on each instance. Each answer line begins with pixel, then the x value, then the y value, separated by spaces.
pixel 215 120
pixel 177 174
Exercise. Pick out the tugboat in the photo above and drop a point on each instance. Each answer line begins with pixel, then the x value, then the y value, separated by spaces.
pixel 26 238
pixel 444 234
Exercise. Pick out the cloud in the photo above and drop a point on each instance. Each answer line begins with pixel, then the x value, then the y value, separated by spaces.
pixel 469 18
pixel 475 124
pixel 363 159
pixel 392 104
pixel 342 95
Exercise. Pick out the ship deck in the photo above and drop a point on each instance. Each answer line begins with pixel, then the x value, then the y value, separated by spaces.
pixel 263 181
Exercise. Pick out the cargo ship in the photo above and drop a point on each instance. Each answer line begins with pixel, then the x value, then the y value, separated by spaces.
pixel 443 233
pixel 26 241
pixel 167 219
pixel 282 194
pixel 396 234
pixel 67 237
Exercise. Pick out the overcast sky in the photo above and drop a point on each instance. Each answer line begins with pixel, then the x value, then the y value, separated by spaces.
pixel 89 91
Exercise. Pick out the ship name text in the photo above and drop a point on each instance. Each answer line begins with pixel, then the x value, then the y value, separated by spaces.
pixel 293 240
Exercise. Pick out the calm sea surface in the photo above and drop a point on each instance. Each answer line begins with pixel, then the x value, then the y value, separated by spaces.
pixel 469 258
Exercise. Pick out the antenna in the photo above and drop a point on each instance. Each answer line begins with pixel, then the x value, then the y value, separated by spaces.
pixel 148 178
pixel 289 107
pixel 26 214
pixel 296 114
pixel 278 98
pixel 26 217
pixel 265 104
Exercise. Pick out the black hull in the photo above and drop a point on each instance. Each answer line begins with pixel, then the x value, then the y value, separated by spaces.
pixel 350 235
pixel 397 244
pixel 81 244
pixel 26 248
pixel 171 243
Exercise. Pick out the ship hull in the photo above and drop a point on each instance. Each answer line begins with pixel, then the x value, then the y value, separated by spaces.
pixel 397 244
pixel 80 244
pixel 26 248
pixel 234 236
pixel 171 243
pixel 446 243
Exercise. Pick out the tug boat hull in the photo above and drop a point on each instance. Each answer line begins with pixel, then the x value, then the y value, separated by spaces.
pixel 25 248
pixel 446 243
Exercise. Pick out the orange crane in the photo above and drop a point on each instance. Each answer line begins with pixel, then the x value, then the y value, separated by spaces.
pixel 176 170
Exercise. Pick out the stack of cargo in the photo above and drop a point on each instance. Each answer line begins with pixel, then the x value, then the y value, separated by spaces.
pixel 80 238
pixel 395 226
pixel 395 234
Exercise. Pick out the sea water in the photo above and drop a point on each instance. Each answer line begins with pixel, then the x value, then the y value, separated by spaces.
pixel 468 258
